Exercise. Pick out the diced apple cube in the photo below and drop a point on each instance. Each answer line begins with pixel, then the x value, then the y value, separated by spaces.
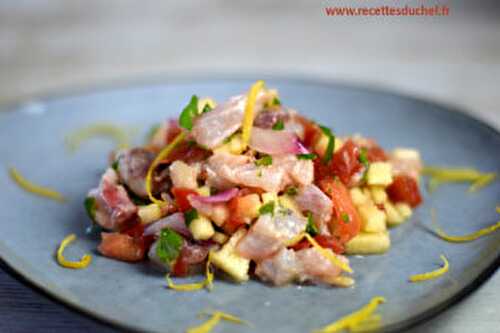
pixel 369 243
pixel 229 261
pixel 379 173
pixel 372 218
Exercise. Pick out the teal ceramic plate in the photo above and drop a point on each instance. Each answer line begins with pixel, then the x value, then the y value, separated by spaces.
pixel 134 295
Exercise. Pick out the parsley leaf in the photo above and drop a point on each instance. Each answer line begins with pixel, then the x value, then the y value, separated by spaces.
pixel 345 217
pixel 114 165
pixel 206 108
pixel 331 144
pixel 188 114
pixel 279 125
pixel 169 245
pixel 264 161
pixel 268 208
pixel 363 156
pixel 90 207
pixel 306 156
pixel 190 216
pixel 292 191
pixel 311 227
pixel 276 101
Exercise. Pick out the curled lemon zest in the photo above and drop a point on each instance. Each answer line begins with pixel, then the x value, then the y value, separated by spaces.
pixel 161 156
pixel 82 263
pixel 207 283
pixel 355 319
pixel 439 176
pixel 249 111
pixel 215 318
pixel 116 133
pixel 324 252
pixel 206 101
pixel 434 274
pixel 33 188
pixel 465 238
pixel 369 324
pixel 482 181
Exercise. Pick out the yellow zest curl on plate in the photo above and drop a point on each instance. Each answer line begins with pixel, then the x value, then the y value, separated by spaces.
pixel 249 111
pixel 433 274
pixel 161 156
pixel 215 318
pixel 83 263
pixel 119 135
pixel 466 238
pixel 33 188
pixel 324 252
pixel 356 321
pixel 439 176
pixel 207 283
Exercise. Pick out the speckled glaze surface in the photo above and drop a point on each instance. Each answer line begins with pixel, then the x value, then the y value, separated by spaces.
pixel 134 295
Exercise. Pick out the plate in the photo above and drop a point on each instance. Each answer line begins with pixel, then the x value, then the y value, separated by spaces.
pixel 134 296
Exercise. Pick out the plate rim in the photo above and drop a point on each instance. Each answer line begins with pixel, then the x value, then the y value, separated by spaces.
pixel 21 270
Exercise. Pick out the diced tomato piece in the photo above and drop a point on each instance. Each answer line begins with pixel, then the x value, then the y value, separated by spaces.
pixel 311 131
pixel 121 247
pixel 303 244
pixel 345 162
pixel 235 219
pixel 343 228
pixel 330 242
pixel 405 189
pixel 376 154
pixel 137 232
pixel 180 268
pixel 180 196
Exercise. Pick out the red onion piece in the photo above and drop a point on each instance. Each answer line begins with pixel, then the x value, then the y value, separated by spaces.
pixel 303 150
pixel 174 222
pixel 217 198
pixel 275 142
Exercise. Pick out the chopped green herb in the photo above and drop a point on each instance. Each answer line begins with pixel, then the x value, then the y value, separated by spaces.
pixel 306 156
pixel 268 208
pixel 169 245
pixel 206 108
pixel 259 173
pixel 363 156
pixel 264 161
pixel 345 217
pixel 292 191
pixel 152 131
pixel 276 101
pixel 331 144
pixel 279 125
pixel 189 113
pixel 114 165
pixel 90 207
pixel 311 227
pixel 190 216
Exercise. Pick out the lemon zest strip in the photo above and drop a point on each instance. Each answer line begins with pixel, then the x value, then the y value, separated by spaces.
pixel 433 274
pixel 161 156
pixel 465 238
pixel 249 111
pixel 33 188
pixel 82 263
pixel 355 319
pixel 74 140
pixel 215 318
pixel 439 176
pixel 324 252
pixel 207 283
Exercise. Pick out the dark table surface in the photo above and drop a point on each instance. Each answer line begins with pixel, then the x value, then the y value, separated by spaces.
pixel 25 309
